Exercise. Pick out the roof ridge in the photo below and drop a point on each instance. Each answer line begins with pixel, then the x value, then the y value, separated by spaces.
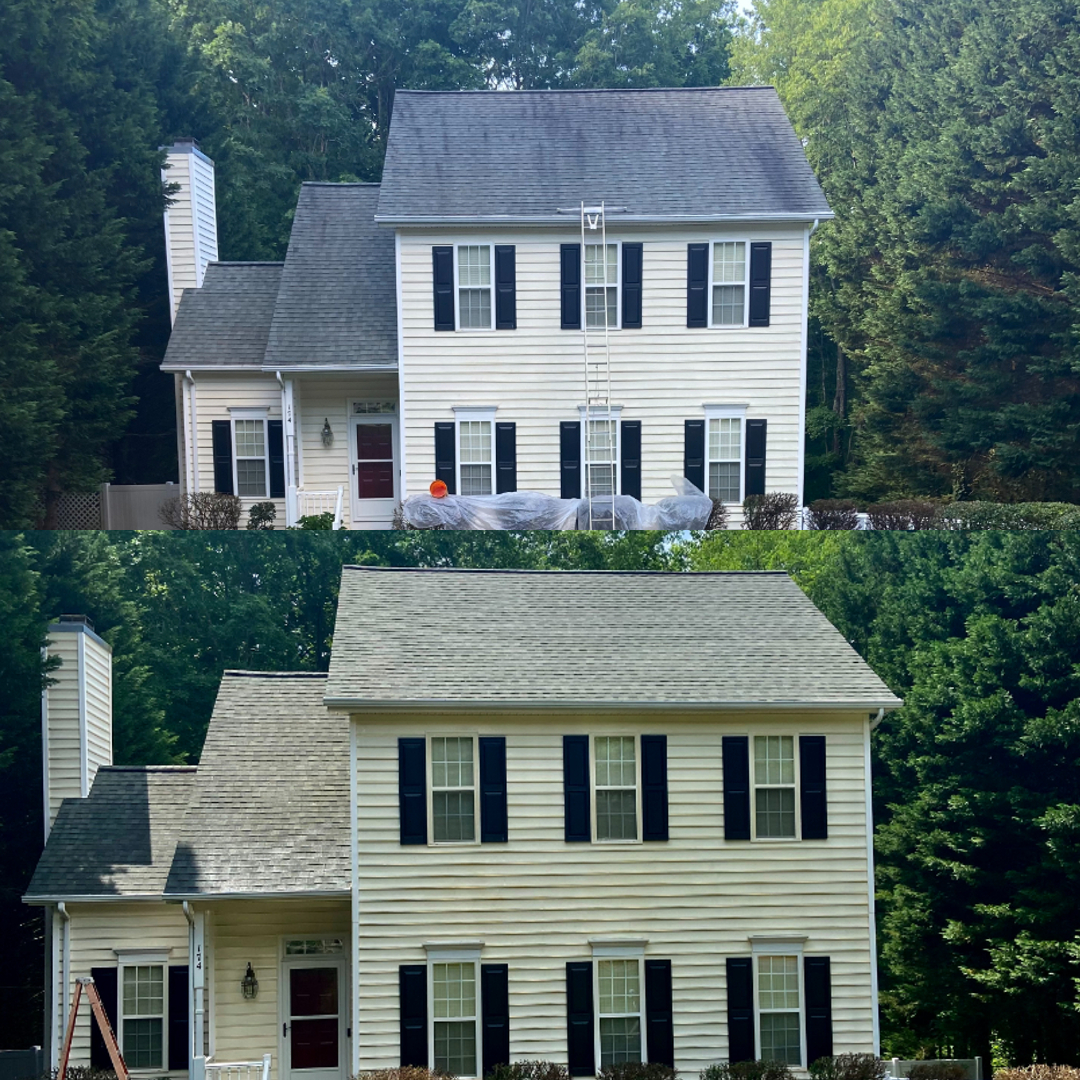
pixel 595 90
pixel 598 573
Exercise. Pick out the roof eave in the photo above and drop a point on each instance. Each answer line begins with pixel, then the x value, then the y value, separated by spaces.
pixel 568 220
pixel 294 894
pixel 87 898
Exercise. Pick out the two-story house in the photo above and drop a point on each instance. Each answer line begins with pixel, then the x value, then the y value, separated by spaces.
pixel 582 817
pixel 569 292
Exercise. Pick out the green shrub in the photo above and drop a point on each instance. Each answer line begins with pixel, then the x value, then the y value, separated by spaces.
pixel 849 1067
pixel 637 1070
pixel 747 1070
pixel 261 515
pixel 775 510
pixel 529 1070
pixel 717 516
pixel 1012 516
pixel 905 515
pixel 317 521
pixel 938 1070
pixel 832 514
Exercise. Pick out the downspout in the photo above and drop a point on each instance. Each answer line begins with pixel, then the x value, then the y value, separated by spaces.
pixel 193 445
pixel 196 993
pixel 289 423
pixel 800 462
pixel 65 965
pixel 875 1021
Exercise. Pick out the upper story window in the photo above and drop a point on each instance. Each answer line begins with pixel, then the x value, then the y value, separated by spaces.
pixel 729 284
pixel 616 787
pixel 453 789
pixel 249 440
pixel 474 284
pixel 601 286
pixel 142 1027
pixel 619 996
pixel 774 787
pixel 454 1018
pixel 779 1009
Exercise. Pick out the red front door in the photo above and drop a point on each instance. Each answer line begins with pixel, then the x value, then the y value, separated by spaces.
pixel 375 461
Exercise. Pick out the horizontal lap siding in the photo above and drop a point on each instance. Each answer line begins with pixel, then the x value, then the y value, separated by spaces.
pixel 65 754
pixel 536 900
pixel 244 932
pixel 662 374
pixel 97 930
pixel 98 708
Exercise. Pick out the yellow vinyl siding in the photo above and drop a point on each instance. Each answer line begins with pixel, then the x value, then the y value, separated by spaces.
pixel 64 764
pixel 536 900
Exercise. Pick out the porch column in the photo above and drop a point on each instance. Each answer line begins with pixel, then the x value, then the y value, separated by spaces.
pixel 197 972
pixel 289 416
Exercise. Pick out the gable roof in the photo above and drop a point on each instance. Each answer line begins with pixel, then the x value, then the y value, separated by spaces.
pixel 476 638
pixel 269 814
pixel 337 303
pixel 119 840
pixel 225 322
pixel 711 154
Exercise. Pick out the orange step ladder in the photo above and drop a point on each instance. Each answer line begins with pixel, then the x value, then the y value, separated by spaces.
pixel 103 1026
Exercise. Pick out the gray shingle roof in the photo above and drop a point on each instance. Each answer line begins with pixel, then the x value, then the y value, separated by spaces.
pixel 337 304
pixel 119 841
pixel 698 154
pixel 227 320
pixel 487 637
pixel 270 810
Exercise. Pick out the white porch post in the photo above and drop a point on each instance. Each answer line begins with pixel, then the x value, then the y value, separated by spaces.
pixel 289 416
pixel 197 973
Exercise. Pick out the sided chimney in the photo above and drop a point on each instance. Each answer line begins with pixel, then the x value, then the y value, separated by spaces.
pixel 76 713
pixel 190 218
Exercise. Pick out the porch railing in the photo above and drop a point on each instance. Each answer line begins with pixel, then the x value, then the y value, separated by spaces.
pixel 311 503
pixel 238 1070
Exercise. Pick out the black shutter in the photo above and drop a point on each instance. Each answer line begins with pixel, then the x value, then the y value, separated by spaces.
pixel 631 287
pixel 654 789
pixel 222 438
pixel 570 459
pixel 812 795
pixel 694 453
pixel 818 984
pixel 659 1037
pixel 412 993
pixel 505 457
pixel 736 756
pixel 760 283
pixel 495 1010
pixel 630 464
pixel 442 259
pixel 105 979
pixel 275 436
pixel 446 454
pixel 580 1051
pixel 570 257
pixel 179 1032
pixel 412 790
pixel 740 1008
pixel 697 285
pixel 755 457
pixel 492 790
pixel 505 288
pixel 576 788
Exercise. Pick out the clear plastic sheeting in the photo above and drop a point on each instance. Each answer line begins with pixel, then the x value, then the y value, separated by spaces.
pixel 688 509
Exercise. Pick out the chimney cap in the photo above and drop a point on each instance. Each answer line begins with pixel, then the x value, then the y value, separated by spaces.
pixel 83 620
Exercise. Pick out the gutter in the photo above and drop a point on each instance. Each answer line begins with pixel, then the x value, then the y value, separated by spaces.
pixel 65 960
pixel 877 719
pixel 561 219
pixel 354 705
pixel 193 445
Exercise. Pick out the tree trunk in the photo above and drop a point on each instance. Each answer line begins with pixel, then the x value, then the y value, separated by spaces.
pixel 839 405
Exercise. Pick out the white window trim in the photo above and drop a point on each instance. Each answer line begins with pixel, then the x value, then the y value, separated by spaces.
pixel 634 953
pixel 473 412
pixel 141 958
pixel 464 954
pixel 250 414
pixel 781 945
pixel 797 788
pixel 430 784
pixel 592 786
pixel 613 413
pixel 746 282
pixel 617 325
pixel 728 412
pixel 490 244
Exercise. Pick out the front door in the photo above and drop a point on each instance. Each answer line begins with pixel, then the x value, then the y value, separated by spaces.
pixel 314 1020
pixel 374 471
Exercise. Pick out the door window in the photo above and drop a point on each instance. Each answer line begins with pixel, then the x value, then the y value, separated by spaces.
pixel 375 461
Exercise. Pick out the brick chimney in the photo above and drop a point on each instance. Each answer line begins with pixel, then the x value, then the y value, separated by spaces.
pixel 76 713
pixel 190 219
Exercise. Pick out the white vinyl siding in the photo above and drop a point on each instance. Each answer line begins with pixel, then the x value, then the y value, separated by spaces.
pixel 602 284
pixel 729 283
pixel 536 902
pixel 618 1011
pixel 454 1016
pixel 661 374
pixel 775 800
pixel 475 274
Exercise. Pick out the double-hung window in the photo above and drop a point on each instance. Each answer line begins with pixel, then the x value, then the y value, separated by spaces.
pixel 618 984
pixel 142 1016
pixel 250 455
pixel 453 789
pixel 603 458
pixel 728 283
pixel 601 286
pixel 454 1016
pixel 725 458
pixel 774 787
pixel 616 787
pixel 474 284
pixel 476 456
pixel 779 1009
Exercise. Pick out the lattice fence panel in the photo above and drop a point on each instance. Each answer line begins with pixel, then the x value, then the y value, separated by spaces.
pixel 79 510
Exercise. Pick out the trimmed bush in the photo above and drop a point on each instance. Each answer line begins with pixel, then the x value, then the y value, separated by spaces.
pixel 82 1072
pixel 203 510
pixel 529 1070
pixel 262 515
pixel 747 1070
pixel 717 516
pixel 405 1072
pixel 637 1070
pixel 938 1070
pixel 774 510
pixel 905 515
pixel 1039 1072
pixel 849 1067
pixel 1012 516
pixel 832 514
pixel 317 521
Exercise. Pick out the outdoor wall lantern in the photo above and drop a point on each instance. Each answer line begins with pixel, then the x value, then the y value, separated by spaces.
pixel 327 433
pixel 249 984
